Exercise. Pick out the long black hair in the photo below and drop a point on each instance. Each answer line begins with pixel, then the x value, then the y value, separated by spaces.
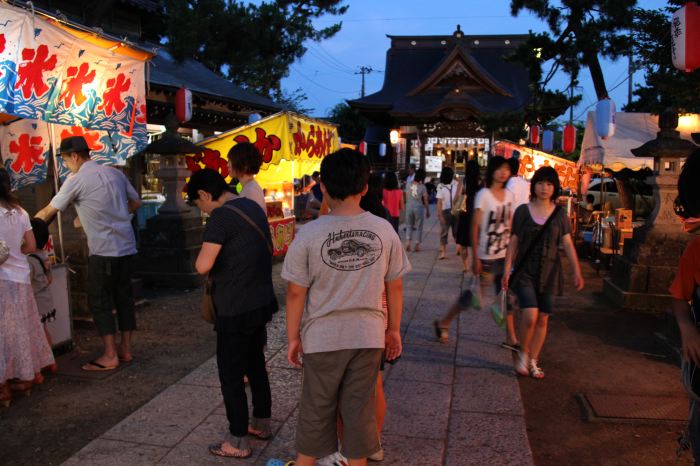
pixel 372 201
pixel 6 194
pixel 390 181
pixel 688 186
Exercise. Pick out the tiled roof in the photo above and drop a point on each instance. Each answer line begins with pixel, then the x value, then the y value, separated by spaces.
pixel 413 59
pixel 165 71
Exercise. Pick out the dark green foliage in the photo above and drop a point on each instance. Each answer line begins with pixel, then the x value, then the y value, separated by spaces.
pixel 253 45
pixel 351 125
pixel 665 85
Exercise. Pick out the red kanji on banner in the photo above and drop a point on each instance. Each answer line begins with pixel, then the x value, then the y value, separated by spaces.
pixel 112 99
pixel 141 114
pixel 265 144
pixel 29 153
pixel 2 45
pixel 92 138
pixel 77 78
pixel 30 74
pixel 211 159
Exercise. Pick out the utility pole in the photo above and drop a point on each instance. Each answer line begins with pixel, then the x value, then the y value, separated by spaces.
pixel 363 71
pixel 630 85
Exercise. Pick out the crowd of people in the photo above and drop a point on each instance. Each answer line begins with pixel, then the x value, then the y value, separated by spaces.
pixel 344 282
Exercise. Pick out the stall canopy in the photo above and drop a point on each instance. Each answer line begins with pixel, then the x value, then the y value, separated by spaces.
pixel 291 145
pixel 532 159
pixel 631 131
pixel 57 81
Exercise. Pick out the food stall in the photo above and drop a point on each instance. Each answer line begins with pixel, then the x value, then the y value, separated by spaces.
pixel 532 159
pixel 291 146
pixel 58 81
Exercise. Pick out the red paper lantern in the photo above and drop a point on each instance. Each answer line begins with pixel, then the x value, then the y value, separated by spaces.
pixel 568 139
pixel 534 134
pixel 363 147
pixel 685 33
pixel 183 105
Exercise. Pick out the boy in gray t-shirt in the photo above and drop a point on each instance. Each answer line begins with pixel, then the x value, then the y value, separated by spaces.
pixel 337 268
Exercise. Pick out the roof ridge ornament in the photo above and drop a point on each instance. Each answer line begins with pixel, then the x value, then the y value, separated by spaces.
pixel 458 33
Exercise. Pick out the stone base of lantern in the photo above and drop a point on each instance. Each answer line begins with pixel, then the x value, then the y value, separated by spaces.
pixel 169 247
pixel 640 278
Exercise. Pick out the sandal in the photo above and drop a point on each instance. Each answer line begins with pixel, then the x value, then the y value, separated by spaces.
pixel 217 450
pixel 536 371
pixel 442 333
pixel 94 366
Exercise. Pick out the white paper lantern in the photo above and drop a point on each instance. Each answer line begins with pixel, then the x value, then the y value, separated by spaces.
pixel 605 118
pixel 547 140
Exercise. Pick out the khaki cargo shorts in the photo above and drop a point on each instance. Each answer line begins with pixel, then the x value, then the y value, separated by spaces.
pixel 342 382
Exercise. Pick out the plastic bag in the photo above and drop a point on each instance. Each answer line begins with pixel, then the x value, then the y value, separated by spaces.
pixel 499 308
pixel 475 288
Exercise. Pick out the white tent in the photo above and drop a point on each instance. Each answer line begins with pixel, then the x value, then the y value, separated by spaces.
pixel 631 131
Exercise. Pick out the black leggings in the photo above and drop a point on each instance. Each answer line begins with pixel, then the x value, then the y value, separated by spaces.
pixel 239 354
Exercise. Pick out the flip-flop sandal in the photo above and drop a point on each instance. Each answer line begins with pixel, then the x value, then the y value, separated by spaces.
pixel 94 366
pixel 217 450
pixel 126 358
pixel 276 462
pixel 442 333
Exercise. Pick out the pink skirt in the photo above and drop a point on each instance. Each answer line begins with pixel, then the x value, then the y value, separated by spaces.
pixel 23 346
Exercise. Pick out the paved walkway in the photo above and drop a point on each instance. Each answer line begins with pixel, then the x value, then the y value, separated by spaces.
pixel 454 404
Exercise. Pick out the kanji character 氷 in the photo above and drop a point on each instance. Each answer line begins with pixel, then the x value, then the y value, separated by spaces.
pixel 111 98
pixel 77 78
pixel 29 153
pixel 92 138
pixel 30 74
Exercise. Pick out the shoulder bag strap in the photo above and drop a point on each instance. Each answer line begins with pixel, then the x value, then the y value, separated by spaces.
pixel 252 223
pixel 531 247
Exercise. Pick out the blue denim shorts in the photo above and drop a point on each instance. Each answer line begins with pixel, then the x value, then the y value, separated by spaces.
pixel 529 298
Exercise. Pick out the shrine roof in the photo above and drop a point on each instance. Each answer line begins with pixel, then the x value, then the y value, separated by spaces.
pixel 198 78
pixel 416 66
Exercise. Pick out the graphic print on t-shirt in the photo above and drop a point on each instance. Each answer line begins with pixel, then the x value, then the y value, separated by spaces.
pixel 498 229
pixel 351 250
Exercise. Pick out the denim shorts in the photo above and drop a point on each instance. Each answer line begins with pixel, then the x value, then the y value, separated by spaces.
pixel 529 298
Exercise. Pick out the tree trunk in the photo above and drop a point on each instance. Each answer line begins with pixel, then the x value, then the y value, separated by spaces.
pixel 591 60
pixel 624 193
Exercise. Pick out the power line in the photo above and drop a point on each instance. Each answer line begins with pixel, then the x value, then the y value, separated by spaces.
pixel 330 64
pixel 332 58
pixel 320 85
pixel 434 18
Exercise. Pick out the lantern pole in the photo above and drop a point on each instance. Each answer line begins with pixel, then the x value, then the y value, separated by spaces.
pixel 52 140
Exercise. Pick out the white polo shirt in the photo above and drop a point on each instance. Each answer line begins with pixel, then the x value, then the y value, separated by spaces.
pixel 100 194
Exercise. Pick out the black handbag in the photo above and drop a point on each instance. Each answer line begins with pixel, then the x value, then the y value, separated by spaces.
pixel 208 309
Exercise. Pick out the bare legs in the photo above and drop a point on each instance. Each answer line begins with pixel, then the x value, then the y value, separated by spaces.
pixel 114 352
pixel 533 331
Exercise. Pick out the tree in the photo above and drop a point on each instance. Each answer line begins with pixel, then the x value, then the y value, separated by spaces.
pixel 253 45
pixel 351 125
pixel 665 86
pixel 583 30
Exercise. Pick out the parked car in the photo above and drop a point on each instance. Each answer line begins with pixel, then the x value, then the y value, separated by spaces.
pixel 604 190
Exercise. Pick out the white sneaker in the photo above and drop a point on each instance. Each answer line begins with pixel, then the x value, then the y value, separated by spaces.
pixel 336 459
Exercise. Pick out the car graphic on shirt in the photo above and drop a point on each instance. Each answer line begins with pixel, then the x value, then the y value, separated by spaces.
pixel 349 247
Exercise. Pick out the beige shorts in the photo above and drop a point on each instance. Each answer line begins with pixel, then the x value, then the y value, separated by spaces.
pixel 342 380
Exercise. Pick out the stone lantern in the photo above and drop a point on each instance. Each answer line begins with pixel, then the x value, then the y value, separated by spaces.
pixel 171 240
pixel 640 278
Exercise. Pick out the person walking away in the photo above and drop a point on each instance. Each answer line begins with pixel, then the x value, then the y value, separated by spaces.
pixel 446 192
pixel 244 162
pixel 490 232
pixel 469 190
pixel 104 200
pixel 534 249
pixel 41 278
pixel 392 198
pixel 685 290
pixel 237 254
pixel 517 185
pixel 337 268
pixel 23 346
pixel 416 209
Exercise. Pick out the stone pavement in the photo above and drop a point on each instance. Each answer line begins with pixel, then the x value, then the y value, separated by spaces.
pixel 454 404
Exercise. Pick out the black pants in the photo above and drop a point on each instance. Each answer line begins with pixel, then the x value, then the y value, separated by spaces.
pixel 239 354
pixel 109 287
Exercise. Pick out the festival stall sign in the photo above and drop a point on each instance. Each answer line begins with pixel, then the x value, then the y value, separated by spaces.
pixel 531 160
pixel 291 145
pixel 48 74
